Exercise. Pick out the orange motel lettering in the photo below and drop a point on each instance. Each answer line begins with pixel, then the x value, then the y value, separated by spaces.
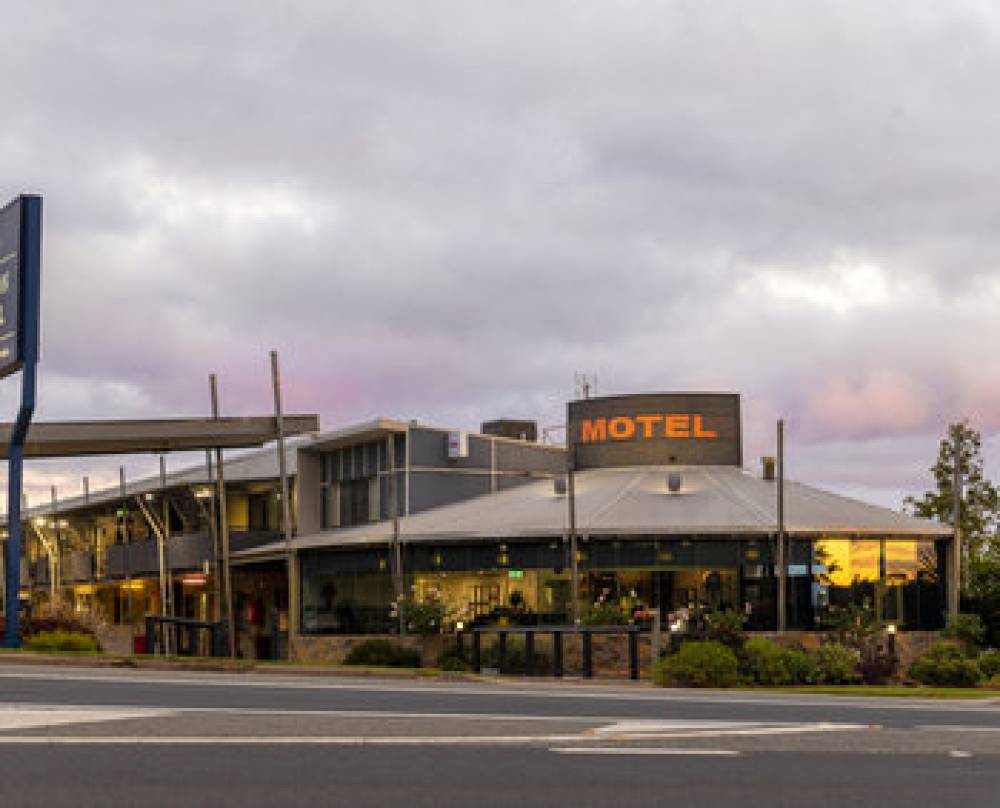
pixel 645 427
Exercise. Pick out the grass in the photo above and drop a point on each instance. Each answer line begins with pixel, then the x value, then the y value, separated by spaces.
pixel 895 691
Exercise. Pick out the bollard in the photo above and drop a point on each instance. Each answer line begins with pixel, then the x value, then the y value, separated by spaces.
pixel 588 655
pixel 633 655
pixel 460 645
pixel 477 643
pixel 502 661
pixel 529 653
pixel 151 644
pixel 557 654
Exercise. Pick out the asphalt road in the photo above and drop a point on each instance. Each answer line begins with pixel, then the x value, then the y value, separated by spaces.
pixel 99 737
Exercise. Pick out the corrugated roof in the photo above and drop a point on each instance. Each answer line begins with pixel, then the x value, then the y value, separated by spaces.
pixel 624 501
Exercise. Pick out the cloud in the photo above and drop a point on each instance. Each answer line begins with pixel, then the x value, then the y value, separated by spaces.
pixel 443 210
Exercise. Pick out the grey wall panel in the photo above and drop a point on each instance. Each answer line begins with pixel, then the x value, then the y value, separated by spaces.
pixel 432 489
pixel 529 457
pixel 429 447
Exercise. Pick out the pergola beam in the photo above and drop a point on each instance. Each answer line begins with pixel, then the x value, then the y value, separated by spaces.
pixel 79 438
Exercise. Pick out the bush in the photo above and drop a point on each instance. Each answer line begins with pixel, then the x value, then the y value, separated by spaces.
pixel 968 629
pixel 699 663
pixel 837 665
pixel 383 654
pixel 516 659
pixel 944 665
pixel 62 642
pixel 604 614
pixel 725 627
pixel 424 617
pixel 451 661
pixel 770 664
pixel 989 663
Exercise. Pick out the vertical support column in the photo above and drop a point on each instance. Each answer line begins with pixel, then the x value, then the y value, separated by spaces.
pixel 286 517
pixel 30 261
pixel 227 580
pixel 573 549
pixel 161 543
pixel 396 554
pixel 122 488
pixel 782 561
pixel 54 552
pixel 955 584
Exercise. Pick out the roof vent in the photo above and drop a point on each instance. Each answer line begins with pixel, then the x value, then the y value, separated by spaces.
pixel 768 468
pixel 674 482
pixel 559 486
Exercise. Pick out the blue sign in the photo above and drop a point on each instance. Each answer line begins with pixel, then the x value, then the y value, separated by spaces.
pixel 11 353
pixel 20 277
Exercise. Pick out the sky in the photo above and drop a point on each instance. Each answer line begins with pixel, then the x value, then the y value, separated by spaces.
pixel 443 210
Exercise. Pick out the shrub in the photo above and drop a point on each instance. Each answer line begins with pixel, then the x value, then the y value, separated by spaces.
pixel 968 629
pixel 989 662
pixel 516 660
pixel 451 661
pixel 725 627
pixel 604 614
pixel 423 617
pixel 944 665
pixel 837 664
pixel 699 663
pixel 62 642
pixel 382 653
pixel 770 664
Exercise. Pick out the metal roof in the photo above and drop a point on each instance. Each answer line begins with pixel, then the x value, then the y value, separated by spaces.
pixel 260 464
pixel 79 438
pixel 634 501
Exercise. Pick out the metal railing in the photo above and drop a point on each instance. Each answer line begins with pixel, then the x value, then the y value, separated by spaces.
pixel 558 633
pixel 182 636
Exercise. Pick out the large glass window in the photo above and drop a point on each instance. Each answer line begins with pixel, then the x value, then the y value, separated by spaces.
pixel 896 580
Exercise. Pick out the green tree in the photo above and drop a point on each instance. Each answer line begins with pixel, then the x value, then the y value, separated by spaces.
pixel 980 503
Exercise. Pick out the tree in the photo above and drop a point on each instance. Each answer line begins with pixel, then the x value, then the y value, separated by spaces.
pixel 980 504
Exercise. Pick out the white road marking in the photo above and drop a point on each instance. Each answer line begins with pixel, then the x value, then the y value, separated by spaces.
pixel 637 750
pixel 642 730
pixel 264 740
pixel 958 753
pixel 954 728
pixel 15 717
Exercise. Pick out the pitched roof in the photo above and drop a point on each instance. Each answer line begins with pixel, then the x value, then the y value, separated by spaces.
pixel 635 501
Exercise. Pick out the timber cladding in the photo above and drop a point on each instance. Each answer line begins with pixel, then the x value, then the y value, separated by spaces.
pixel 656 429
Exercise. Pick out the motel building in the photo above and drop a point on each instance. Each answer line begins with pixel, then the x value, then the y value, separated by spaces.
pixel 665 513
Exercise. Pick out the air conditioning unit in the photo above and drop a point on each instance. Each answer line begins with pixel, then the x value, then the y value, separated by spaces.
pixel 458 445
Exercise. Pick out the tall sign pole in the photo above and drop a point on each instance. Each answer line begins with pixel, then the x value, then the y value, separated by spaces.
pixel 20 285
pixel 782 542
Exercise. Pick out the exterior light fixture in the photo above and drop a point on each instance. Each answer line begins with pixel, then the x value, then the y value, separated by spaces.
pixel 459 625
pixel 891 628
pixel 203 493
pixel 63 523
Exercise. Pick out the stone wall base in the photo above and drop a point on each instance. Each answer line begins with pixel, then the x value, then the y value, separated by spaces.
pixel 332 649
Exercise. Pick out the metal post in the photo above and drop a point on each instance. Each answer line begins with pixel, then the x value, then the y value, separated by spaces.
pixel 955 589
pixel 477 651
pixel 86 489
pixel 782 564
pixel 286 513
pixel 557 654
pixel 213 528
pixel 31 260
pixel 633 654
pixel 588 655
pixel 573 565
pixel 125 542
pixel 162 543
pixel 502 652
pixel 529 652
pixel 54 555
pixel 227 581
pixel 397 555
